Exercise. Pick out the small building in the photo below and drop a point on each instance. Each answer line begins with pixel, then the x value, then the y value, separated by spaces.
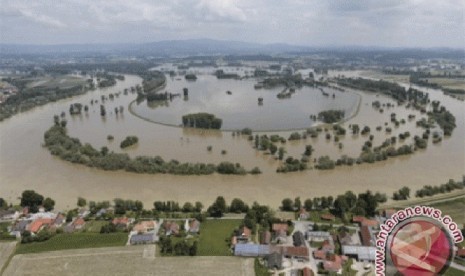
pixel 59 220
pixel 333 264
pixel 194 226
pixel 280 232
pixel 83 212
pixel 244 235
pixel 370 223
pixel 145 226
pixel 19 227
pixel 265 237
pixel 9 214
pixel 300 252
pixel 328 246
pixel 367 236
pixel 145 238
pixel 39 224
pixel 122 222
pixel 171 228
pixel 329 217
pixel 318 236
pixel 361 253
pixel 78 223
pixel 303 214
pixel 319 254
pixel 345 238
pixel 274 261
pixel 251 250
pixel 101 212
pixel 298 239
pixel 307 272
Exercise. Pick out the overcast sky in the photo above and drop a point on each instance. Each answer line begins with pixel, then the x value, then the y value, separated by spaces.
pixel 410 23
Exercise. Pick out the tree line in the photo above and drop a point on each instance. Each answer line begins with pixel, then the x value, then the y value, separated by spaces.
pixel 71 149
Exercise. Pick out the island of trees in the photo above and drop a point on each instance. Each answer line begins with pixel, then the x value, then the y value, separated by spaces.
pixel 71 149
pixel 331 116
pixel 129 141
pixel 201 120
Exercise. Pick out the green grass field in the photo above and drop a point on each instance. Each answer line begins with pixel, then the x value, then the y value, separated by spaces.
pixel 94 226
pixel 74 241
pixel 214 235
pixel 453 208
pixel 453 272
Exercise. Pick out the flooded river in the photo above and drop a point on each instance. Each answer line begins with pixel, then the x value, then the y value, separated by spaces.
pixel 24 164
pixel 240 107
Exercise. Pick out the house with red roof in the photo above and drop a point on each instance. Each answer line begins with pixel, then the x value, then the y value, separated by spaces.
pixel 265 237
pixel 303 214
pixel 78 223
pixel 145 226
pixel 171 228
pixel 330 217
pixel 334 263
pixel 370 223
pixel 298 252
pixel 280 231
pixel 319 254
pixel 39 224
pixel 122 222
pixel 244 235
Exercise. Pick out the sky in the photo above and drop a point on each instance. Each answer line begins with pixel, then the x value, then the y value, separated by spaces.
pixel 385 23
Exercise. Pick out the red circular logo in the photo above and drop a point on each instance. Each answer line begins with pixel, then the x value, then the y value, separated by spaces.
pixel 420 248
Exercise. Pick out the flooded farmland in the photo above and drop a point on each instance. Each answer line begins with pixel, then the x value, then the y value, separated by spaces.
pixel 25 164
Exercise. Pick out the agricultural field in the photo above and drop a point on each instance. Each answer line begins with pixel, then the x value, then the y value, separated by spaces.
pixel 74 241
pixel 448 82
pixel 215 236
pixel 124 261
pixel 61 81
pixel 6 249
pixel 454 208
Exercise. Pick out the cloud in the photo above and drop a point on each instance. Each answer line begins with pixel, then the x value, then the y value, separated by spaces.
pixel 42 19
pixel 217 10
pixel 316 23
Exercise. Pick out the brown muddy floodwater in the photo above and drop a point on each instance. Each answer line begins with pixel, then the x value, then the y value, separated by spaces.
pixel 25 164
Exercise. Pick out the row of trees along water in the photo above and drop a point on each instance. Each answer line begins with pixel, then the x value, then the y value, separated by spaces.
pixel 71 149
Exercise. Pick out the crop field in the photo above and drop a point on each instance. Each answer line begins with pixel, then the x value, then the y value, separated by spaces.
pixel 6 249
pixel 134 260
pixel 449 83
pixel 74 241
pixel 65 81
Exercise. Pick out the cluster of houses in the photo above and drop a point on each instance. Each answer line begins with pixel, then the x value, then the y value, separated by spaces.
pixel 274 245
pixel 146 232
pixel 6 91
pixel 317 247
pixel 143 232
pixel 35 222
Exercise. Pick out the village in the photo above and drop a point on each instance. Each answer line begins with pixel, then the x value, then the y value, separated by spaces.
pixel 300 242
